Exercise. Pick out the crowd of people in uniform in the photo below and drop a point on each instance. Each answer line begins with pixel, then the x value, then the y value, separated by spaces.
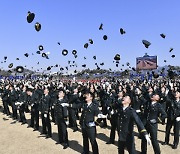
pixel 123 103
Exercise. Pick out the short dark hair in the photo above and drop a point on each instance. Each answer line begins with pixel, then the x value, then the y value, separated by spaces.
pixel 89 92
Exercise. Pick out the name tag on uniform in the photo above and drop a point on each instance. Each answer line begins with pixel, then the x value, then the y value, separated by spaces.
pixel 91 124
pixel 153 121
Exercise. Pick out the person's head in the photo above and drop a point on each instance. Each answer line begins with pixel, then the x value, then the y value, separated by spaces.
pixel 120 94
pixel 46 91
pixel 163 89
pixel 155 97
pixel 177 94
pixel 137 91
pixel 61 94
pixel 126 100
pixel 150 90
pixel 75 90
pixel 29 92
pixel 89 96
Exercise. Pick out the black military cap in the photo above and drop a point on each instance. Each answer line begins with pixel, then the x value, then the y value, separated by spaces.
pixel 86 45
pixel 17 58
pixel 163 35
pixel 105 37
pixel 84 65
pixel 30 17
pixel 101 64
pixel 146 43
pixel 91 41
pixel 122 31
pixel 69 61
pixel 37 26
pixel 171 49
pixel 84 58
pixel 133 69
pixel 173 56
pixel 5 58
pixel 66 68
pixel 155 75
pixel 59 43
pixel 41 47
pixel 38 52
pixel 117 65
pixel 94 57
pixel 75 71
pixel 117 57
pixel 101 27
pixel 56 65
pixel 10 65
pixel 61 69
pixel 74 52
pixel 9 71
pixel 64 52
pixel 165 61
pixel 19 69
pixel 26 55
pixel 49 68
pixel 127 63
pixel 44 54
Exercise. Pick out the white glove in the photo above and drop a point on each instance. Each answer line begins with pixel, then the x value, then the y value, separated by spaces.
pixel 64 104
pixel 52 107
pixel 32 104
pixel 17 103
pixel 148 139
pixel 178 119
pixel 102 116
pixel 112 112
pixel 138 111
pixel 67 122
pixel 45 115
pixel 108 108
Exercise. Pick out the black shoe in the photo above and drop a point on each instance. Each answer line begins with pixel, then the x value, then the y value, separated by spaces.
pixel 48 136
pixel 174 147
pixel 165 143
pixel 29 126
pixel 65 146
pixel 35 130
pixel 110 142
pixel 23 123
pixel 43 133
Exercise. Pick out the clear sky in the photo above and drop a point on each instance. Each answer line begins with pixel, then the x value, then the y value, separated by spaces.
pixel 73 23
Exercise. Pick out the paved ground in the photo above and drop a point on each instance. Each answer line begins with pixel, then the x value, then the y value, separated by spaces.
pixel 18 139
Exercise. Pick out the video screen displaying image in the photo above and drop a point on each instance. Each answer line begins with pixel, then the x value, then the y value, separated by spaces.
pixel 146 63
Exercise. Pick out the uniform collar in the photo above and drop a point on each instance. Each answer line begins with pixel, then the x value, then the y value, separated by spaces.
pixel 88 104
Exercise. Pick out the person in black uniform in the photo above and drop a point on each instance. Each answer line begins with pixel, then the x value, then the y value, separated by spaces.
pixel 173 112
pixel 34 109
pixel 89 111
pixel 45 109
pixel 113 115
pixel 5 100
pixel 152 112
pixel 23 100
pixel 13 97
pixel 73 100
pixel 126 118
pixel 61 115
